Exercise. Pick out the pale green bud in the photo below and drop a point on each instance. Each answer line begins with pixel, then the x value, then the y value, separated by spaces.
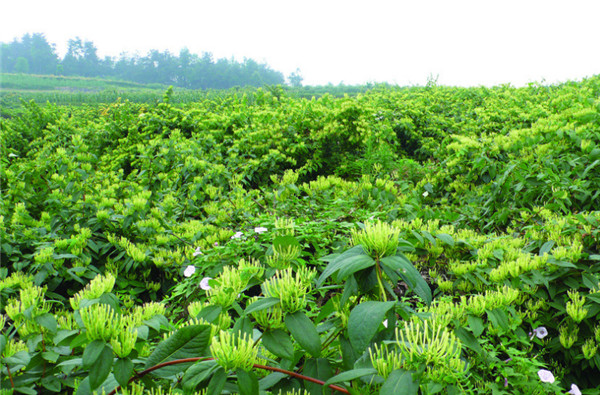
pixel 589 348
pixel 568 336
pixel 234 351
pixel 378 239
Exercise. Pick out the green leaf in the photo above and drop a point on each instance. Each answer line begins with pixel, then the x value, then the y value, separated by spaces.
pixel 92 352
pixel 50 356
pixel 399 382
pixel 107 386
pixel 335 265
pixel 188 342
pixel 304 331
pixel 48 321
pixel 446 238
pixel 281 242
pixel 475 324
pixel 318 368
pixel 364 321
pixel 279 343
pixel 3 342
pixel 468 339
pixel 270 380
pixel 545 249
pixel 410 275
pixel 210 313
pixel 217 382
pixel 498 318
pixel 261 304
pixel 197 373
pixel 354 264
pixel 122 371
pixel 350 375
pixel 101 368
pixel 247 382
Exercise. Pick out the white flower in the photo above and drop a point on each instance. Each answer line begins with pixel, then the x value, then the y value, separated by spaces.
pixel 260 230
pixel 204 283
pixel 425 194
pixel 546 376
pixel 541 332
pixel 385 323
pixel 189 271
pixel 197 252
pixel 574 390
pixel 237 235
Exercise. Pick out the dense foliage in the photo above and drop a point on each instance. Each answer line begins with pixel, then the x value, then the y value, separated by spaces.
pixel 418 240
pixel 33 54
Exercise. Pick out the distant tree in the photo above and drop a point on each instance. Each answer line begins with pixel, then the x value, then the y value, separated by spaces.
pixel 43 58
pixel 22 66
pixel 40 55
pixel 295 79
pixel 81 59
pixel 33 54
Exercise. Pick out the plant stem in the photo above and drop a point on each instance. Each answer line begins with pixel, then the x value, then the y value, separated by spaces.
pixel 186 360
pixel 379 276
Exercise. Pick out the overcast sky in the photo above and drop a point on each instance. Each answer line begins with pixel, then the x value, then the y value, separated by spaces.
pixel 467 43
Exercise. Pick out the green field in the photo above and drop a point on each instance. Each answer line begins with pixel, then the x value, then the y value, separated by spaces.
pixel 391 240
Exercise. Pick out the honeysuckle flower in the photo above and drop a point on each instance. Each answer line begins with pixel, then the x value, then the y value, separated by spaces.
pixel 237 235
pixel 540 332
pixel 189 270
pixel 197 252
pixel 574 390
pixel 260 229
pixel 204 283
pixel 546 376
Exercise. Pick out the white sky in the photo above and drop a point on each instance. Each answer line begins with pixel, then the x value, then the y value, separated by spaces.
pixel 462 42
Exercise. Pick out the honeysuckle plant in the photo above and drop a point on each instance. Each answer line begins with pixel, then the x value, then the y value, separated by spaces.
pixel 398 241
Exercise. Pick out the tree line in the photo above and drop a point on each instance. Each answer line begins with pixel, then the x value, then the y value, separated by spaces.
pixel 33 54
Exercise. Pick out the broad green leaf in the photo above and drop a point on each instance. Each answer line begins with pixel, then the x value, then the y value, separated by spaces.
pixel 122 371
pixel 247 382
pixel 350 375
pixel 498 318
pixel 270 380
pixel 468 339
pixel 304 331
pixel 48 321
pixel 354 264
pixel 3 342
pixel 318 368
pixel 107 386
pixel 279 343
pixel 364 321
pixel 261 304
pixel 92 352
pixel 210 313
pixel 197 373
pixel 475 324
pixel 399 382
pixel 188 342
pixel 101 368
pixel 243 326
pixel 281 242
pixel 546 247
pixel 337 263
pixel 217 382
pixel 446 238
pixel 410 275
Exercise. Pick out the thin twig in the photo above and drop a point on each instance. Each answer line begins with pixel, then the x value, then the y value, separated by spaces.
pixel 273 369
